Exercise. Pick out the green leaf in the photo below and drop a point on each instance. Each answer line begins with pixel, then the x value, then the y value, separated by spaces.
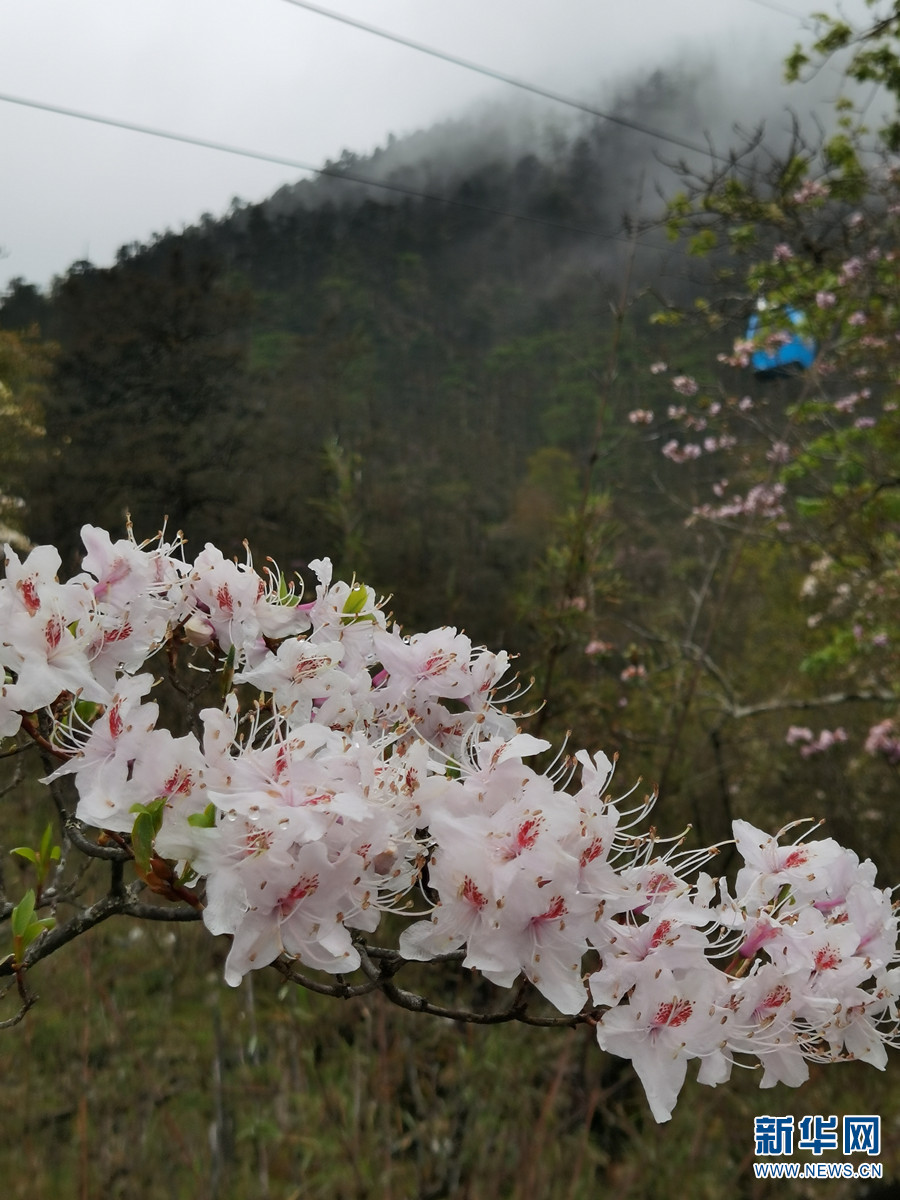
pixel 204 820
pixel 49 852
pixel 227 673
pixel 703 242
pixel 142 836
pixel 286 593
pixel 154 810
pixel 25 852
pixel 23 914
pixel 356 599
pixel 36 928
pixel 87 710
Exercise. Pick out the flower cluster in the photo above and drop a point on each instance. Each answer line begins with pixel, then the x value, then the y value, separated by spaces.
pixel 349 770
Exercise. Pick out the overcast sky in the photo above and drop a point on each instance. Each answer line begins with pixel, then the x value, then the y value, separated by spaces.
pixel 271 77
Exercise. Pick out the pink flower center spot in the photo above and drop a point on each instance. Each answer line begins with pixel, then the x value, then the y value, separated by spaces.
pixel 827 959
pixel 525 837
pixel 658 884
pixel 224 600
pixel 672 1014
pixel 527 833
pixel 556 910
pixel 306 668
pixel 438 663
pixel 410 781
pixel 179 782
pixel 305 886
pixel 663 929
pixel 258 842
pixel 796 858
pixel 116 724
pixel 778 996
pixel 470 892
pixel 117 635
pixel 53 632
pixel 30 597
pixel 594 850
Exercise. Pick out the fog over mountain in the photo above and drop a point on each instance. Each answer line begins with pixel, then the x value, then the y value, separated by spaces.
pixel 297 85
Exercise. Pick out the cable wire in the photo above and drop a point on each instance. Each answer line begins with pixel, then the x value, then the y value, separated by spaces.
pixel 803 18
pixel 329 172
pixel 512 80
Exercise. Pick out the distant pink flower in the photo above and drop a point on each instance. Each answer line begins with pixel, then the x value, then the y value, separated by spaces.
pixel 597 647
pixel 810 189
pixel 882 740
pixel 632 672
pixel 685 385
pixel 798 733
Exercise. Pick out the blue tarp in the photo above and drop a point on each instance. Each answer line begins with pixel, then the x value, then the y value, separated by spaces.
pixel 795 354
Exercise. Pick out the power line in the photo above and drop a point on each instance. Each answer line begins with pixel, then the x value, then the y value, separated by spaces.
pixel 803 18
pixel 331 173
pixel 512 80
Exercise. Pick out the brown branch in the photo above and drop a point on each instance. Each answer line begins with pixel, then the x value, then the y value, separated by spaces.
pixel 380 965
pixel 739 711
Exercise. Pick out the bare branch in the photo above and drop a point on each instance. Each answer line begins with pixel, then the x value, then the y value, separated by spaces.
pixel 782 704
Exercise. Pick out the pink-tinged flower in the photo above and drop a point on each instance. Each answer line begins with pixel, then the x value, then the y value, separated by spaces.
pixel 597 647
pixel 666 1021
pixel 857 318
pixel 630 951
pixel 428 664
pixel 632 672
pixel 284 900
pixel 852 268
pixel 882 740
pixel 826 739
pixel 826 299
pixel 810 189
pixel 798 733
pixel 681 454
pixel 299 673
pixel 760 1019
pixel 804 867
pixel 235 601
pixel 640 416
pixel 685 385
pixel 109 756
pixel 41 639
pixel 782 253
pixel 658 368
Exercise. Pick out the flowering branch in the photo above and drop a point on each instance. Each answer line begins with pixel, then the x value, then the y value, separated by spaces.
pixel 344 771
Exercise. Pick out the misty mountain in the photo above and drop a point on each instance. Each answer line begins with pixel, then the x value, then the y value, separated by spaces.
pixel 381 374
